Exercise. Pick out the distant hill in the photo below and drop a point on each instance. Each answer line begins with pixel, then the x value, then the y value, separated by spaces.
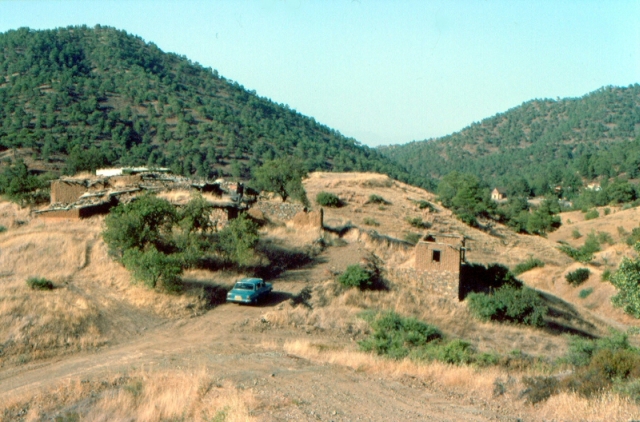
pixel 547 142
pixel 79 98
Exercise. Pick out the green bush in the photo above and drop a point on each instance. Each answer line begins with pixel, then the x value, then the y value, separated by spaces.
pixel 584 293
pixel 606 275
pixel 585 253
pixel 576 234
pixel 422 204
pixel 399 337
pixel 634 237
pixel 591 214
pixel 357 276
pixel 370 222
pixel 327 199
pixel 418 223
pixel 604 237
pixel 2 229
pixel 39 283
pixel 627 280
pixel 578 276
pixel 607 211
pixel 377 199
pixel 509 303
pixel 527 265
pixel 395 336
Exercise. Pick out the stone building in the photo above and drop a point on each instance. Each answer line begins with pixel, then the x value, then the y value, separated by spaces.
pixel 438 260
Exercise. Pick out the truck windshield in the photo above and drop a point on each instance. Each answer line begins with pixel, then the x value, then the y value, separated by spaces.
pixel 244 286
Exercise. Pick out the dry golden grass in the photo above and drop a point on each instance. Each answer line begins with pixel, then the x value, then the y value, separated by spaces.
pixel 93 301
pixel 604 408
pixel 477 383
pixel 140 396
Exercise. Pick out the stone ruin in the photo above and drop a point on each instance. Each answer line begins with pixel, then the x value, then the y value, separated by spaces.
pixel 84 197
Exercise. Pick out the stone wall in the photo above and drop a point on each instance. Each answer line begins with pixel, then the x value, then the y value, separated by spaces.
pixel 279 211
pixel 65 192
pixel 441 283
pixel 449 257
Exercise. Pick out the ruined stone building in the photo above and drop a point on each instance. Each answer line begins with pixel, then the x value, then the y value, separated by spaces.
pixel 75 197
pixel 438 260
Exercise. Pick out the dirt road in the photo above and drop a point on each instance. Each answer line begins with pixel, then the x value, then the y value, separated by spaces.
pixel 288 387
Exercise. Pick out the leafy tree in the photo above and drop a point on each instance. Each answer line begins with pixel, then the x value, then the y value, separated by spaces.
pixel 627 280
pixel 283 177
pixel 146 221
pixel 238 239
pixel 153 268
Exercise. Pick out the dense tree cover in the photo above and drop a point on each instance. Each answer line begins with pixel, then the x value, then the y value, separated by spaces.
pixel 469 199
pixel 93 97
pixel 540 144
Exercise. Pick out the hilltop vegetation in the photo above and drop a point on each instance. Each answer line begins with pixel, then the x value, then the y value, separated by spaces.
pixel 541 143
pixel 79 98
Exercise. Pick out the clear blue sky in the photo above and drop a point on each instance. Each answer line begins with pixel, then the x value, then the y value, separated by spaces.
pixel 383 72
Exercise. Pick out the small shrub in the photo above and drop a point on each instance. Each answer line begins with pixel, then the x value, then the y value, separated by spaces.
pixel 634 237
pixel 576 234
pixel 540 388
pixel 418 223
pixel 422 204
pixel 622 232
pixel 39 283
pixel 327 199
pixel 370 222
pixel 591 214
pixel 585 252
pixel 356 276
pixel 377 199
pixel 509 303
pixel 2 229
pixel 578 276
pixel 412 238
pixel 395 336
pixel 607 211
pixel 527 265
pixel 584 293
pixel 606 275
pixel 604 237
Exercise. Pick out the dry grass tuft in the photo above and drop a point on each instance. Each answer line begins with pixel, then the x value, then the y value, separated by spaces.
pixel 141 396
pixel 605 408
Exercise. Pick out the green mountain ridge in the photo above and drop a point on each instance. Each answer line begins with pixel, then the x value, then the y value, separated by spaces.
pixel 546 142
pixel 79 98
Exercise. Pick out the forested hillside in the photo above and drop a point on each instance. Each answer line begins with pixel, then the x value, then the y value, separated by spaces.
pixel 79 98
pixel 547 142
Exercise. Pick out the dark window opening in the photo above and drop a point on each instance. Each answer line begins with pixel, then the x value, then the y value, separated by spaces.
pixel 430 239
pixel 436 256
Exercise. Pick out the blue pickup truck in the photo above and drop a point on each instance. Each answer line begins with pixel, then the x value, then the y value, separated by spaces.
pixel 249 290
